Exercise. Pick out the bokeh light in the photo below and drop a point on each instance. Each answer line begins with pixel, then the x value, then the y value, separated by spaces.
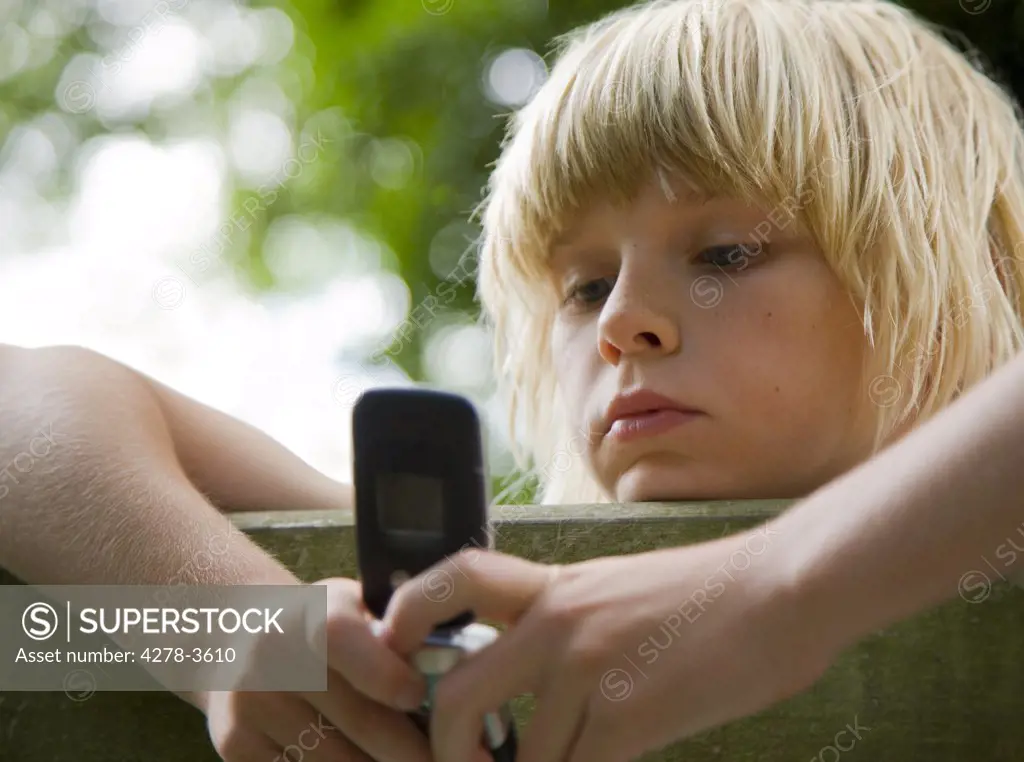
pixel 513 76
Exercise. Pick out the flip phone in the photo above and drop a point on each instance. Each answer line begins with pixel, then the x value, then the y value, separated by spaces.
pixel 421 494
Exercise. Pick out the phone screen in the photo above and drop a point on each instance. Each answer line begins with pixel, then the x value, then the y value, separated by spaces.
pixel 410 503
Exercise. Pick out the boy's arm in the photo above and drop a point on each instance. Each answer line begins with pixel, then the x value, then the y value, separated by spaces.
pixel 107 477
pixel 238 467
pixel 918 523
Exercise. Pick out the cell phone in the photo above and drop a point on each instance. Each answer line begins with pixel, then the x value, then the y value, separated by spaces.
pixel 421 495
pixel 441 652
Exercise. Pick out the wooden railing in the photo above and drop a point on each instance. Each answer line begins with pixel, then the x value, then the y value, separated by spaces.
pixel 947 686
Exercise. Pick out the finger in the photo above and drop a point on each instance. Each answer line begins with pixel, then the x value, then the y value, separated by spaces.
pixel 595 742
pixel 493 585
pixel 362 658
pixel 481 684
pixel 381 732
pixel 303 736
pixel 556 722
pixel 250 747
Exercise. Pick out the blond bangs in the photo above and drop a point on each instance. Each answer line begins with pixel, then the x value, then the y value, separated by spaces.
pixel 903 160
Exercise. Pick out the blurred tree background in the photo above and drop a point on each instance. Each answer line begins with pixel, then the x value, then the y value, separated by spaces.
pixel 352 137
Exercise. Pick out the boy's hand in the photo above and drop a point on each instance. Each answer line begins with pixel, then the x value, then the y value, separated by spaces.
pixel 623 655
pixel 351 721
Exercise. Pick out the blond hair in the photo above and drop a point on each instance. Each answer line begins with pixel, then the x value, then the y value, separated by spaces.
pixel 904 156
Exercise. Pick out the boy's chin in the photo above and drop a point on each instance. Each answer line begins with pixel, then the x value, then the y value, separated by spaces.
pixel 679 483
pixel 660 484
pixel 673 483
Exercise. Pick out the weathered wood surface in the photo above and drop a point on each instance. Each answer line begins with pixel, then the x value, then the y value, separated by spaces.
pixel 947 686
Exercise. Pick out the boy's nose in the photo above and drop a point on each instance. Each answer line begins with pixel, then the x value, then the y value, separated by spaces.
pixel 633 325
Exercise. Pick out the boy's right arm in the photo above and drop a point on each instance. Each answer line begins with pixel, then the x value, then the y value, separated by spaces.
pixel 107 477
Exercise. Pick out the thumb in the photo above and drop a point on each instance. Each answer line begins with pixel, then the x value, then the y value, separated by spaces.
pixel 492 585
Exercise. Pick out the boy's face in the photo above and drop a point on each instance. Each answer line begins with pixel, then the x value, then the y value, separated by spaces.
pixel 728 310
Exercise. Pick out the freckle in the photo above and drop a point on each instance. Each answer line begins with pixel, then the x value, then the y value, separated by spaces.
pixel 776 389
pixel 769 314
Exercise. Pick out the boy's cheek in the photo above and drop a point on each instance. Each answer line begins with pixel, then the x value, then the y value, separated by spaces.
pixel 578 368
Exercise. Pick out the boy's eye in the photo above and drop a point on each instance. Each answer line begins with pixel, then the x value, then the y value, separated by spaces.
pixel 589 292
pixel 736 256
pixel 733 255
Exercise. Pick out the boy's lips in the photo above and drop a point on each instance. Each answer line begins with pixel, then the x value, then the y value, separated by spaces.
pixel 643 412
